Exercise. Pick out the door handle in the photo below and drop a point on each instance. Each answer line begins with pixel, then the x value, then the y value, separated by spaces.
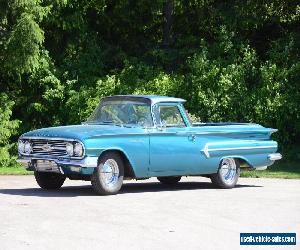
pixel 192 137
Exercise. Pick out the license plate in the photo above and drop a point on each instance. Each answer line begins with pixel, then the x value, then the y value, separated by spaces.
pixel 46 166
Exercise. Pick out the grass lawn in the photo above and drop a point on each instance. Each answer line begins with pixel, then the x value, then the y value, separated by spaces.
pixel 281 169
pixel 17 170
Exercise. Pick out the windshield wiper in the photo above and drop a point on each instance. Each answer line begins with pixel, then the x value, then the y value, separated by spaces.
pixel 112 123
pixel 106 123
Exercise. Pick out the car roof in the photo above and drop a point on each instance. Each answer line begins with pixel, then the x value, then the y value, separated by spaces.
pixel 150 98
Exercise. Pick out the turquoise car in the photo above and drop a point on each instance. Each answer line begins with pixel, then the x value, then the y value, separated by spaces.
pixel 138 137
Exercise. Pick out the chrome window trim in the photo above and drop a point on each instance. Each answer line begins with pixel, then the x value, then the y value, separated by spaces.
pixel 175 104
pixel 54 138
pixel 153 99
pixel 153 106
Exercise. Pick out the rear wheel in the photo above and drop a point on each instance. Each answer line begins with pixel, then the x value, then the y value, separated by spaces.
pixel 228 173
pixel 108 176
pixel 170 180
pixel 49 180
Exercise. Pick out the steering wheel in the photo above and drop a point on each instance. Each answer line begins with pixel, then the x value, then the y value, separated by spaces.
pixel 143 122
pixel 114 116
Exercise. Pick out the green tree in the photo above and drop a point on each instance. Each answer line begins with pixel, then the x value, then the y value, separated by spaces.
pixel 8 128
pixel 232 60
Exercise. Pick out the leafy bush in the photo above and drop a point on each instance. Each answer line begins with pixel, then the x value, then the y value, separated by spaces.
pixel 7 129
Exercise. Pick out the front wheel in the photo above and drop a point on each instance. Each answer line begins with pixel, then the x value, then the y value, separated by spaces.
pixel 170 180
pixel 228 173
pixel 49 180
pixel 108 176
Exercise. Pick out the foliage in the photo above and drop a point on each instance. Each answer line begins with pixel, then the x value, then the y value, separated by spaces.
pixel 7 129
pixel 14 170
pixel 284 170
pixel 232 60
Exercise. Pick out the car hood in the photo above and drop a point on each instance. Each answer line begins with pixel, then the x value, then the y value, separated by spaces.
pixel 80 132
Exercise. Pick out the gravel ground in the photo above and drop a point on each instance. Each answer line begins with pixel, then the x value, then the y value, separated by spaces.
pixel 145 215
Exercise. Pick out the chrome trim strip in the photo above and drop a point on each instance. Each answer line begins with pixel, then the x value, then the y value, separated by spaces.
pixel 149 128
pixel 154 122
pixel 47 138
pixel 238 141
pixel 193 132
pixel 275 156
pixel 206 150
pixel 222 131
pixel 237 148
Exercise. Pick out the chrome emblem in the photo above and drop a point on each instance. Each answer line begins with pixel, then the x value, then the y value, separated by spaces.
pixel 46 147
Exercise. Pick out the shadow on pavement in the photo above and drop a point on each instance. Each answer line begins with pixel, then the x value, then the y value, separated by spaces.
pixel 86 190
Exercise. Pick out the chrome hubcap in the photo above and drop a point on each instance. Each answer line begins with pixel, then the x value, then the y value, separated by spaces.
pixel 109 173
pixel 228 170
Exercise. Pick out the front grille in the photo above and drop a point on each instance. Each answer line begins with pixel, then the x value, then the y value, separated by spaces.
pixel 45 147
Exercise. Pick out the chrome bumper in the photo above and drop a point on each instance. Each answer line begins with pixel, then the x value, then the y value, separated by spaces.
pixel 25 163
pixel 30 163
pixel 274 157
pixel 261 168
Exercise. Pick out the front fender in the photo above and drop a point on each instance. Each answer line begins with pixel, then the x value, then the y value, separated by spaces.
pixel 134 147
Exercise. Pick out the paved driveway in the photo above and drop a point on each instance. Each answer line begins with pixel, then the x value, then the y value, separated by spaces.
pixel 145 215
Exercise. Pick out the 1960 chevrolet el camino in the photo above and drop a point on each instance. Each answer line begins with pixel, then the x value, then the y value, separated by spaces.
pixel 137 137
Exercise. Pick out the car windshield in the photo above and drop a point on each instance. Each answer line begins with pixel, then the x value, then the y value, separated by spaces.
pixel 122 112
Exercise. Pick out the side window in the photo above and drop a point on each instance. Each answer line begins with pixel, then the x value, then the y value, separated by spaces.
pixel 170 115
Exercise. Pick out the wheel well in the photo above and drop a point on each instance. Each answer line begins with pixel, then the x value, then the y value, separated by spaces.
pixel 243 163
pixel 128 171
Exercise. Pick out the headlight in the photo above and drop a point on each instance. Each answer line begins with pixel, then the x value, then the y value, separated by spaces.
pixel 27 147
pixel 70 149
pixel 21 147
pixel 78 149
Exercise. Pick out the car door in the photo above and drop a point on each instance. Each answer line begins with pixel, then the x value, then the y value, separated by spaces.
pixel 173 150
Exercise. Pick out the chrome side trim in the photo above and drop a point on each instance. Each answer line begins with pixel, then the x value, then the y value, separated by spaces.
pixel 47 138
pixel 275 156
pixel 194 132
pixel 222 131
pixel 206 150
